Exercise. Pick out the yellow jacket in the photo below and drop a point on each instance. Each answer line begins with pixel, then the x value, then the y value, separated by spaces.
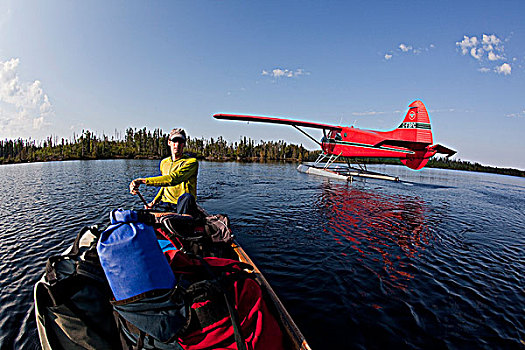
pixel 178 177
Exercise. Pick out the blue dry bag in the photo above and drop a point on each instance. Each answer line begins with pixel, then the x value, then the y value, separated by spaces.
pixel 131 257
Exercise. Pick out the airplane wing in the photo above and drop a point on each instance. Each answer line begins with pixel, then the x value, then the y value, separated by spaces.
pixel 272 120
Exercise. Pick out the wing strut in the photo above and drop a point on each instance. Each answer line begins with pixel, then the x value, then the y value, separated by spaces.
pixel 307 135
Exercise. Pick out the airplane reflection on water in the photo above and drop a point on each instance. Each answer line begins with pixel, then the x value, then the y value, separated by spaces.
pixel 386 232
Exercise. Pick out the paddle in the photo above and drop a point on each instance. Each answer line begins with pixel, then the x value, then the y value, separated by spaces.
pixel 142 198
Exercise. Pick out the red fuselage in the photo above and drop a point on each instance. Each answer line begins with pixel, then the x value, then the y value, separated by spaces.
pixel 355 143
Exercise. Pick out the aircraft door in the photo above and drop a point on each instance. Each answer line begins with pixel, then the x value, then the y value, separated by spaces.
pixel 329 141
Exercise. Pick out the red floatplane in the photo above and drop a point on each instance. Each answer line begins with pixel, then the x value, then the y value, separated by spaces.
pixel 411 142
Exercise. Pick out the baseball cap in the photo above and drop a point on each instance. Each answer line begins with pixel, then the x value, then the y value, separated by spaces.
pixel 178 134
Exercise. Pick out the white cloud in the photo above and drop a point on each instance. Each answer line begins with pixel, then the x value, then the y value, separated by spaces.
pixel 517 115
pixel 278 73
pixel 489 41
pixel 285 73
pixel 398 112
pixel 367 113
pixel 487 50
pixel 405 48
pixel 38 122
pixel 443 110
pixel 299 72
pixel 504 69
pixel 24 106
pixel 490 46
pixel 467 43
pixel 476 53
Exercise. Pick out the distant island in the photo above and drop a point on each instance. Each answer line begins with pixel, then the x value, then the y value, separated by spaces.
pixel 145 144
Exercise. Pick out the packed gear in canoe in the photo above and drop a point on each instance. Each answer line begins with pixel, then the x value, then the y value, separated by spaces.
pixel 160 281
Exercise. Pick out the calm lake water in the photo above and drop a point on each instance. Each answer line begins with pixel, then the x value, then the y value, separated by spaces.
pixel 436 263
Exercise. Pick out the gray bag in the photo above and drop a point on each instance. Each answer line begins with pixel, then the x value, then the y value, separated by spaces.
pixel 72 300
pixel 217 227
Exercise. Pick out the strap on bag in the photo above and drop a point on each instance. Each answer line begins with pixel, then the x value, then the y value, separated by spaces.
pixel 241 344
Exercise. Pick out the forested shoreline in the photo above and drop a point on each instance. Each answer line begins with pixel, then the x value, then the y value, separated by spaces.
pixel 145 144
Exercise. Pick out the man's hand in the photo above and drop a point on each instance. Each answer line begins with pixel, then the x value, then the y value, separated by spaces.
pixel 149 205
pixel 134 186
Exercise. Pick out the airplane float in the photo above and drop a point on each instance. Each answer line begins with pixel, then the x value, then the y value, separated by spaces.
pixel 411 142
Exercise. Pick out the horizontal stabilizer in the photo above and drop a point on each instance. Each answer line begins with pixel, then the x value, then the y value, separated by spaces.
pixel 443 150
pixel 272 120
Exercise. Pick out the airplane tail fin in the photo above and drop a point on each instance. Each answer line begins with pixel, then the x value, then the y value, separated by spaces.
pixel 416 128
pixel 416 125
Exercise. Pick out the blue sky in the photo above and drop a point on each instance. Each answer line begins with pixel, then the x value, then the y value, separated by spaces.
pixel 66 66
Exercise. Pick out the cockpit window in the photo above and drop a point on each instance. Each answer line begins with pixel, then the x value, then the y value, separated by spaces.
pixel 332 136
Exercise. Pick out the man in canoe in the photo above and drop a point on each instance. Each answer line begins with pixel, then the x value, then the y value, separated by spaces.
pixel 178 183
